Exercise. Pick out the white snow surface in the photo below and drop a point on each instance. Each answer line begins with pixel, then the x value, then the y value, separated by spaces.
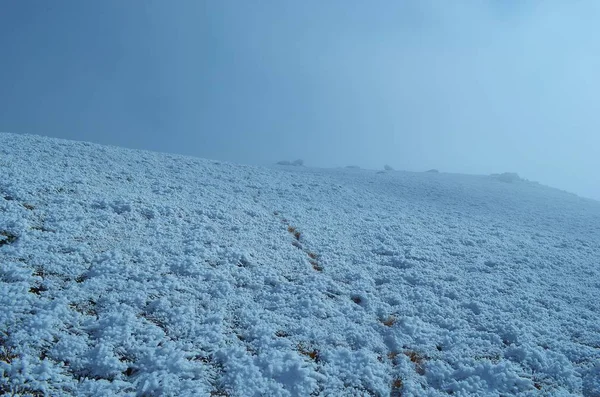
pixel 132 273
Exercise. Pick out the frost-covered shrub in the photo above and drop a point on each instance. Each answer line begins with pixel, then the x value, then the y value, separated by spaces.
pixel 507 177
pixel 388 167
pixel 297 163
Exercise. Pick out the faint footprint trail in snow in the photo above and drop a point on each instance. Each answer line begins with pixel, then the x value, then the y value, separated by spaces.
pixel 313 258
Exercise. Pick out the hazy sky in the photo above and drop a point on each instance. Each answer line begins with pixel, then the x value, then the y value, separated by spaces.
pixel 476 86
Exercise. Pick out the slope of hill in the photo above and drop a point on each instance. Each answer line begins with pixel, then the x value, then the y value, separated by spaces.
pixel 135 273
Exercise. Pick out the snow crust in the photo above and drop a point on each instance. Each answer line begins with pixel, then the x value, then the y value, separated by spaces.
pixel 131 273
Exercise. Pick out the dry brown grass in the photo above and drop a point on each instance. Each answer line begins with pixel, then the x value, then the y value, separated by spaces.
pixel 7 354
pixel 292 230
pixel 417 359
pixel 390 321
pixel 311 353
pixel 38 289
pixel 397 386
pixel 316 266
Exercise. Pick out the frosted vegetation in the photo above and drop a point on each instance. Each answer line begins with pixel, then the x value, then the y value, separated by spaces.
pixel 296 163
pixel 130 273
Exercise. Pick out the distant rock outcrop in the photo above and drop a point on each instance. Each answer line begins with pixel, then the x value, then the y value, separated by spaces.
pixel 508 177
pixel 296 163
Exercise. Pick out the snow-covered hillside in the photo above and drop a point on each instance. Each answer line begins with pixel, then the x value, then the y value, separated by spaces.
pixel 127 273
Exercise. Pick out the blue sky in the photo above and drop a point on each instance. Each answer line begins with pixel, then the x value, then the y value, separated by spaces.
pixel 465 86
